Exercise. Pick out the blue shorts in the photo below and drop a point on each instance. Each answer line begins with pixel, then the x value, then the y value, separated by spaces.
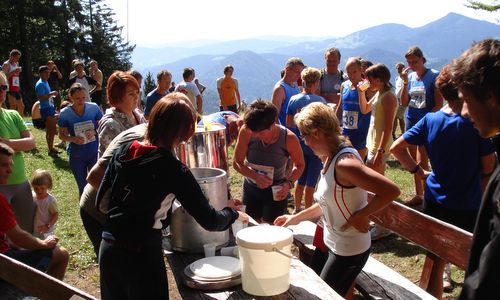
pixel 47 112
pixel 409 123
pixel 357 138
pixel 312 168
pixel 39 259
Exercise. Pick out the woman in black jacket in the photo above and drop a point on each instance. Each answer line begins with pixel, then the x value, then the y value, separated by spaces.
pixel 141 182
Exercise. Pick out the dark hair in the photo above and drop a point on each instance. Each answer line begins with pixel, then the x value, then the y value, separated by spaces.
pixel 477 70
pixel 75 87
pixel 6 150
pixel 171 120
pixel 365 64
pixel 414 50
pixel 260 115
pixel 187 72
pixel 381 72
pixel 14 52
pixel 445 85
pixel 332 50
pixel 227 68
pixel 135 74
pixel 42 69
pixel 162 73
pixel 117 85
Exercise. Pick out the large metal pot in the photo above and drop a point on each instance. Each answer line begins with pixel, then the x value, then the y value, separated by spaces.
pixel 206 148
pixel 187 234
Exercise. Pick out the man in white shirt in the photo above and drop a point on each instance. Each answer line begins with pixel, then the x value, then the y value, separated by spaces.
pixel 190 89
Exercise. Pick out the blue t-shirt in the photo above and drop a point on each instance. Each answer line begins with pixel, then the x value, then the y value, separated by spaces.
pixel 297 102
pixel 354 124
pixel 151 100
pixel 42 88
pixel 421 94
pixel 218 118
pixel 455 150
pixel 84 125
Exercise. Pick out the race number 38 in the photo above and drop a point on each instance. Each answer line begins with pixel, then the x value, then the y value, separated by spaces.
pixel 350 119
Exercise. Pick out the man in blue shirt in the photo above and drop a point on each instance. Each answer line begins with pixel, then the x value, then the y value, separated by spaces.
pixel 163 79
pixel 47 109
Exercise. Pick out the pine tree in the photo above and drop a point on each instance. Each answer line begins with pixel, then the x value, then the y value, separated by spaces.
pixel 149 83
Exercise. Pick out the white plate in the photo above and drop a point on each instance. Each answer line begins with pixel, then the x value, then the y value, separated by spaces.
pixel 216 267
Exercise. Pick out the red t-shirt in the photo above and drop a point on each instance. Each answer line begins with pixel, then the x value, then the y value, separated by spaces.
pixel 7 222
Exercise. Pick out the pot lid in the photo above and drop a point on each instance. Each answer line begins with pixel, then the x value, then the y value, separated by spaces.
pixel 264 237
pixel 216 267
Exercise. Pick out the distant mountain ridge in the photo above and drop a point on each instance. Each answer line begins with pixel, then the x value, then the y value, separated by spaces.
pixel 258 62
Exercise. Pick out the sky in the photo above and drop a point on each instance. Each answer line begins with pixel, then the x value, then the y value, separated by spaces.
pixel 160 22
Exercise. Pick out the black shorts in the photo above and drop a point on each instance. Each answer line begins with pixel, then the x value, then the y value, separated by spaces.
pixel 464 219
pixel 97 97
pixel 39 259
pixel 260 203
pixel 39 123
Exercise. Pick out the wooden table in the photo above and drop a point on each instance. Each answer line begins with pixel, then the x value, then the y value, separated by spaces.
pixel 304 283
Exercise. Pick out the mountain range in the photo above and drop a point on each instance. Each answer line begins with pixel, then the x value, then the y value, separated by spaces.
pixel 258 62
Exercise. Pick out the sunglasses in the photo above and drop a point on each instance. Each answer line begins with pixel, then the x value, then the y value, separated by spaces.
pixel 3 87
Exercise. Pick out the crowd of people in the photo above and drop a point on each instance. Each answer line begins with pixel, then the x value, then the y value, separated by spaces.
pixel 326 134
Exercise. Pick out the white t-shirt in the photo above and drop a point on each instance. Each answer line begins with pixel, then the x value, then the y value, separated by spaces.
pixel 190 90
pixel 338 204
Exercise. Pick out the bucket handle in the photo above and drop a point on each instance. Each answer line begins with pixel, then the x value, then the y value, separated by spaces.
pixel 283 253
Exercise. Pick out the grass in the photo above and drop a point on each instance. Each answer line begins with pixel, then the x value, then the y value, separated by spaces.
pixel 403 256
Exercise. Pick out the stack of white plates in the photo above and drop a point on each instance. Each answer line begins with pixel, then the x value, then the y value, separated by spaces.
pixel 212 273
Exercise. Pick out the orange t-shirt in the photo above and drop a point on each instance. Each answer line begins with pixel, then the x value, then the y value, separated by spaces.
pixel 227 88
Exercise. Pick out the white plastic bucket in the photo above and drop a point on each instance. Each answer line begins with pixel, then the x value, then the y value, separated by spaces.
pixel 265 259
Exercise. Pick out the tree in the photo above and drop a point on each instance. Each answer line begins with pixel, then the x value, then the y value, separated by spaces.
pixel 494 6
pixel 149 83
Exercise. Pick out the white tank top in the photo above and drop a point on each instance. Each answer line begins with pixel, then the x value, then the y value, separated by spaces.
pixel 338 204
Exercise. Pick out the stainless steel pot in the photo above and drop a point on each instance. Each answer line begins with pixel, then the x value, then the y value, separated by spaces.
pixel 206 148
pixel 187 234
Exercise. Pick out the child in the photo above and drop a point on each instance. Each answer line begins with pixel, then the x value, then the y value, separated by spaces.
pixel 46 209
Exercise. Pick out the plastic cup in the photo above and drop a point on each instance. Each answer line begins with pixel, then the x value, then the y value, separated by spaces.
pixel 229 251
pixel 365 84
pixel 209 249
pixel 237 226
pixel 276 189
pixel 242 208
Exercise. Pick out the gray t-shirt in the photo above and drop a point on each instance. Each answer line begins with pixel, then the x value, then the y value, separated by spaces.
pixel 330 83
pixel 87 201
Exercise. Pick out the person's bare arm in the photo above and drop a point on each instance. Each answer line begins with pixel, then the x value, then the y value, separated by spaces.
pixel 25 240
pixel 96 174
pixel 25 143
pixel 438 100
pixel 199 104
pixel 66 137
pixel 404 92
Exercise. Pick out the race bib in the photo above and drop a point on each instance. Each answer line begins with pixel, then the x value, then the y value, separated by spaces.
pixel 417 97
pixel 350 119
pixel 15 81
pixel 85 130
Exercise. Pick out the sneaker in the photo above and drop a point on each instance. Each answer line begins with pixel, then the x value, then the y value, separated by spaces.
pixel 415 201
pixel 378 232
pixel 447 282
pixel 53 153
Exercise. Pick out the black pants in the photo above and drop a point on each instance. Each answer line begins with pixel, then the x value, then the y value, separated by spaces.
pixel 341 271
pixel 130 274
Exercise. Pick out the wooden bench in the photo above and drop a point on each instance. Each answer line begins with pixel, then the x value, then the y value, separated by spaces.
pixel 378 281
pixel 21 280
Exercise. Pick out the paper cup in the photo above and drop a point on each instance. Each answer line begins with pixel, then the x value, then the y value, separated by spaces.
pixel 229 251
pixel 276 190
pixel 209 249
pixel 237 226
